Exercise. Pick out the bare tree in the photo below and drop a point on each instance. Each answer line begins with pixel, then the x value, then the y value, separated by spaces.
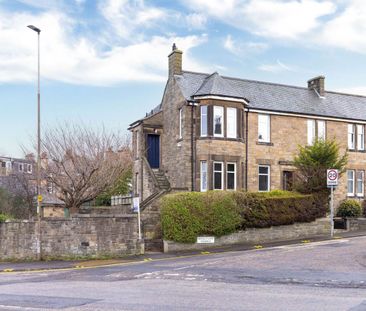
pixel 83 162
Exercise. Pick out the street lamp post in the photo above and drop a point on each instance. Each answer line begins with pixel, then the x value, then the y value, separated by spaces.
pixel 38 31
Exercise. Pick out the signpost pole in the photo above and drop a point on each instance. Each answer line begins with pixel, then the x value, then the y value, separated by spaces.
pixel 331 212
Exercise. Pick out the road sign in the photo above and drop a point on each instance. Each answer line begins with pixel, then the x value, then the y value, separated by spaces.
pixel 39 198
pixel 332 177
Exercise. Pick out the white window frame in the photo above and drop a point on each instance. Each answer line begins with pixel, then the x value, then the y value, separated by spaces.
pixel 231 125
pixel 29 168
pixel 222 175
pixel 360 137
pixel 181 123
pixel 269 178
pixel 351 194
pixel 351 137
pixel 323 129
pixel 230 172
pixel 204 125
pixel 265 121
pixel 360 194
pixel 219 109
pixel 21 167
pixel 202 188
pixel 311 131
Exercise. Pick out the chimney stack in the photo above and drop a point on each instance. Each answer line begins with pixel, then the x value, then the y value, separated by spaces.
pixel 317 84
pixel 175 61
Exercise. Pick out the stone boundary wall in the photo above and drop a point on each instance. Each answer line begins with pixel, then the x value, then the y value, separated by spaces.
pixel 82 236
pixel 257 236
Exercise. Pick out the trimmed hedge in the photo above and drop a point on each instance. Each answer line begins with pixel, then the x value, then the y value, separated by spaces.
pixel 349 208
pixel 190 214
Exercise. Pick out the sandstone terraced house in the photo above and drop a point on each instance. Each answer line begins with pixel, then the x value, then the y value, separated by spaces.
pixel 212 132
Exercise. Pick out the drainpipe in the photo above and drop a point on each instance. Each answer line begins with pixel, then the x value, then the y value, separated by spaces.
pixel 246 149
pixel 193 146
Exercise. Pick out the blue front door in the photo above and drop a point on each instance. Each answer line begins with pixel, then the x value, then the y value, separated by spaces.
pixel 153 150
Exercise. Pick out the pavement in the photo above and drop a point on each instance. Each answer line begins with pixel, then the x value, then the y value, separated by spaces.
pixel 9 267
pixel 307 276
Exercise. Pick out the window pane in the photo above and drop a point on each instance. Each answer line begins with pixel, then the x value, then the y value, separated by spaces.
pixel 231 181
pixel 350 182
pixel 263 183
pixel 218 180
pixel 263 170
pixel 218 120
pixel 311 131
pixel 203 175
pixel 263 127
pixel 360 183
pixel 321 130
pixel 360 137
pixel 231 123
pixel 218 167
pixel 180 122
pixel 203 120
pixel 351 136
pixel 231 167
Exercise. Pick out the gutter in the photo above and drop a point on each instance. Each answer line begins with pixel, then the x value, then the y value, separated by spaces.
pixel 193 103
pixel 246 148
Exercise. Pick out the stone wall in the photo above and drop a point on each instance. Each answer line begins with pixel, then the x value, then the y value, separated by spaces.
pixel 258 236
pixel 82 236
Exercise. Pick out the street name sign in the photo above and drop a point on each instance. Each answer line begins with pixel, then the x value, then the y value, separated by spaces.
pixel 205 239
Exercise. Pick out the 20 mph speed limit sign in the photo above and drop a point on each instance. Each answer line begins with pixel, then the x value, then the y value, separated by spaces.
pixel 332 177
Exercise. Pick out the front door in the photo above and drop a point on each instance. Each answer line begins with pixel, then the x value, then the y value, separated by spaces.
pixel 153 150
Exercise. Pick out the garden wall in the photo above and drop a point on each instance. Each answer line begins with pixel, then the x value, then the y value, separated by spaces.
pixel 258 236
pixel 81 236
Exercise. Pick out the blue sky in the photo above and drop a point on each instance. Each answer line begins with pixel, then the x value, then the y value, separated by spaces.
pixel 105 61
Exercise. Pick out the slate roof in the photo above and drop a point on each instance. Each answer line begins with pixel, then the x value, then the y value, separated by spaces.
pixel 274 97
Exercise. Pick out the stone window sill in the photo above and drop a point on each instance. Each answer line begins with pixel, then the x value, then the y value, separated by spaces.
pixel 221 138
pixel 263 143
pixel 355 150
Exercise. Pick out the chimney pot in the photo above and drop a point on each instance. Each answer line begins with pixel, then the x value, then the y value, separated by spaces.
pixel 317 84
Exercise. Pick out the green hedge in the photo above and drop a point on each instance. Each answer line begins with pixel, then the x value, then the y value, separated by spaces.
pixel 190 214
pixel 349 208
pixel 4 217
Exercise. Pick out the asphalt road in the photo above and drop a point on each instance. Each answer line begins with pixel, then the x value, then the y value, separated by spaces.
pixel 329 275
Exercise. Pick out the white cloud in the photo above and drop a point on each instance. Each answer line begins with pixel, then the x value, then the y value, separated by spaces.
pixel 278 67
pixel 268 18
pixel 348 29
pixel 72 58
pixel 240 47
pixel 126 16
pixel 196 21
